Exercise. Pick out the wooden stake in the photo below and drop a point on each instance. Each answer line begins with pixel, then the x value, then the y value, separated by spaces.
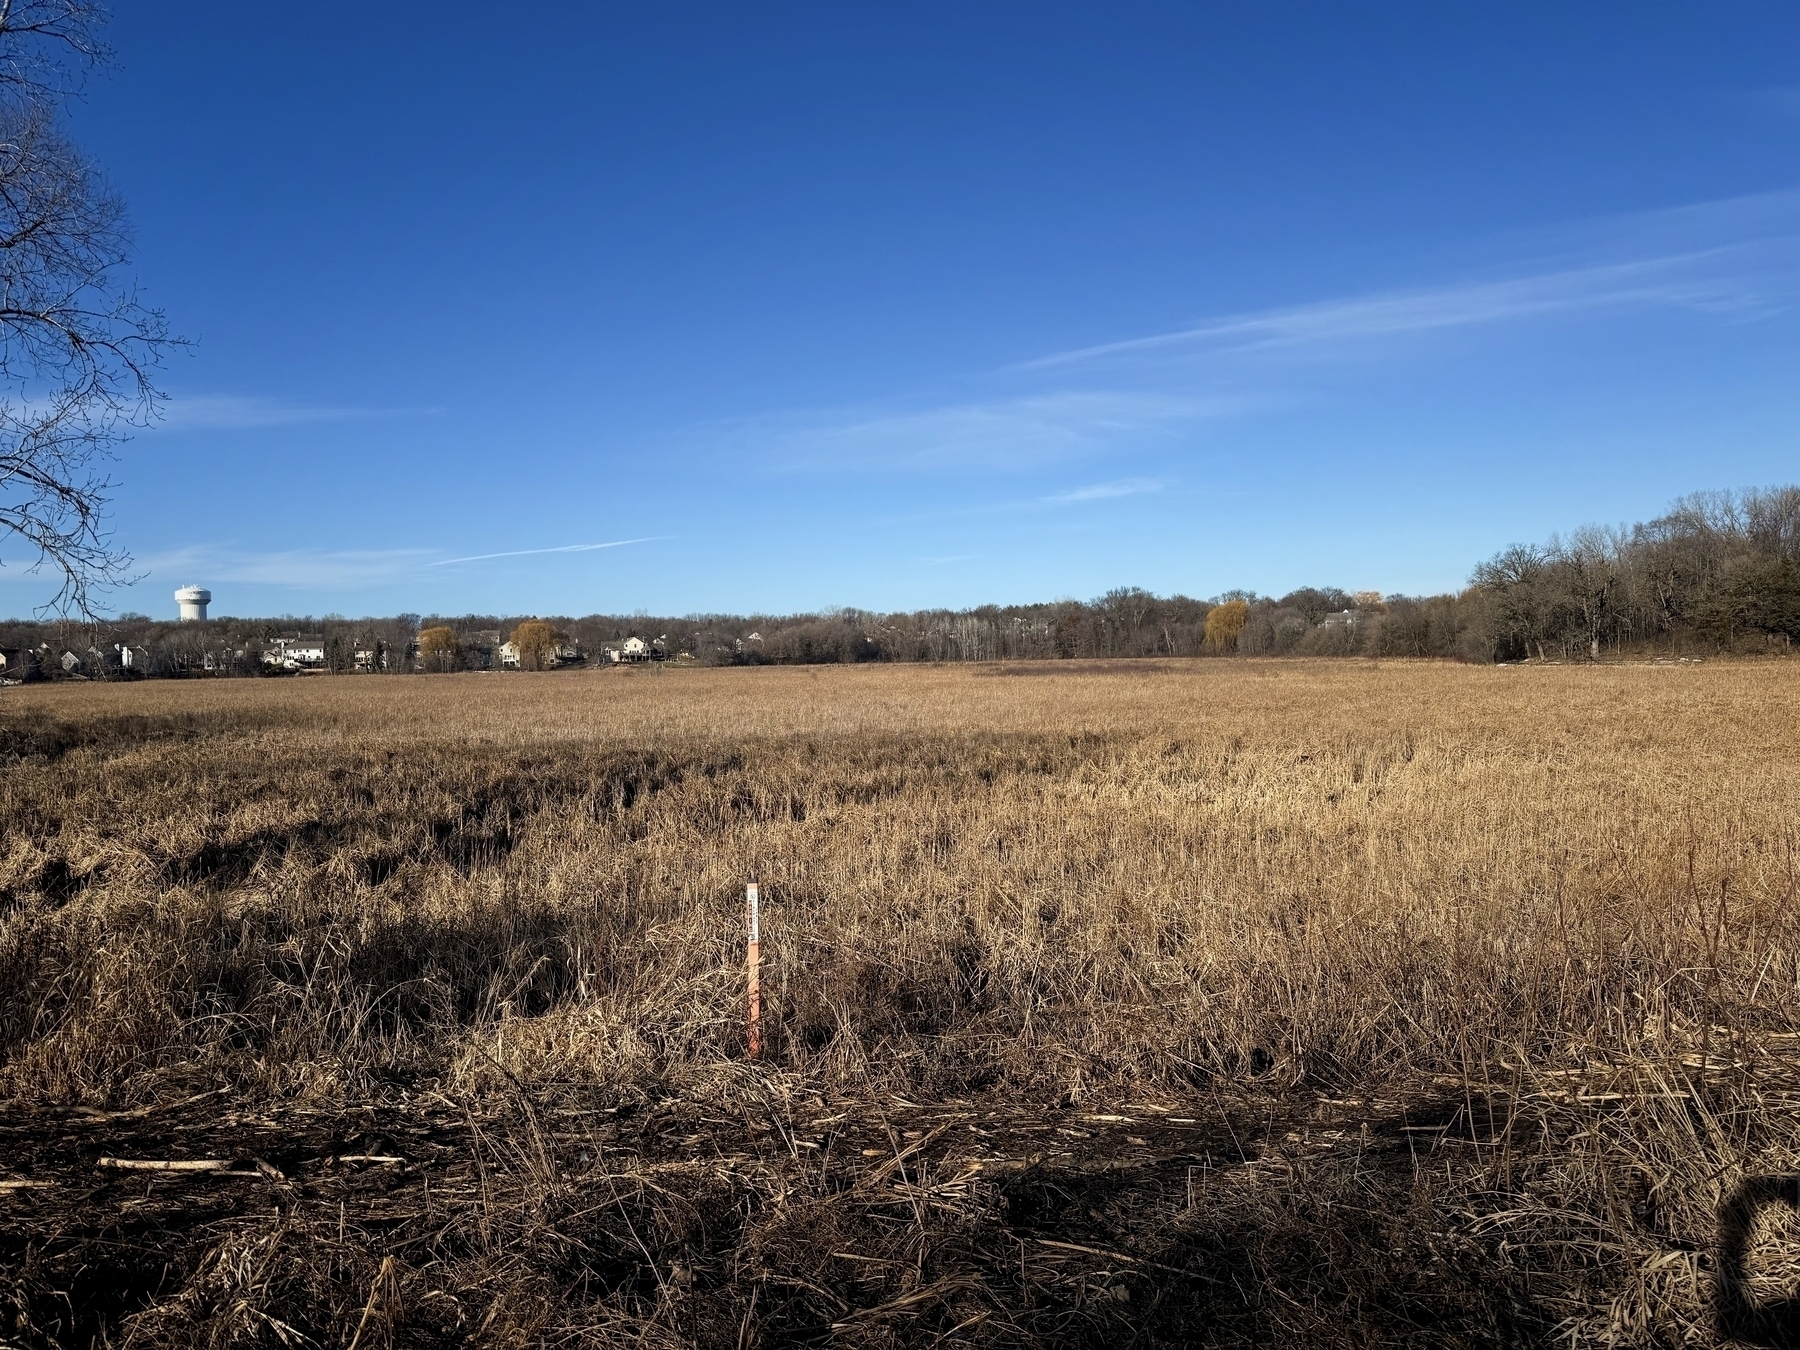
pixel 753 913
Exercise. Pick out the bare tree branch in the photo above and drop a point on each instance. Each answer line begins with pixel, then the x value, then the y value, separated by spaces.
pixel 77 348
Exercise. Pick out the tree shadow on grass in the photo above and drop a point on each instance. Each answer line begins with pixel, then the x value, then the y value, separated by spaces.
pixel 1739 1317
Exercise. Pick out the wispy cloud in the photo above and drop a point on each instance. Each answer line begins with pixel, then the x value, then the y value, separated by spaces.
pixel 239 412
pixel 560 548
pixel 1088 494
pixel 1008 432
pixel 1099 492
pixel 330 569
pixel 1699 280
pixel 1733 260
pixel 324 569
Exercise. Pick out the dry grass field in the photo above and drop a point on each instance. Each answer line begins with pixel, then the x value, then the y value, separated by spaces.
pixel 1142 1004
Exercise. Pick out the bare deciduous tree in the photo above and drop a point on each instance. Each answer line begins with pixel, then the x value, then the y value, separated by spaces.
pixel 77 348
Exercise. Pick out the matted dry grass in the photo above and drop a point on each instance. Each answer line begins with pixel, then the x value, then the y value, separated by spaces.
pixel 1475 988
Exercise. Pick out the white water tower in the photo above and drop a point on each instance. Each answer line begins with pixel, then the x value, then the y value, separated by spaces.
pixel 193 601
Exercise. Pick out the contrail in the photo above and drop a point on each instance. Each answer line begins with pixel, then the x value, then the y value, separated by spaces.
pixel 564 548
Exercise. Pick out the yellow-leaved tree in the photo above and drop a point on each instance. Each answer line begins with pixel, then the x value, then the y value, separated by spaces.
pixel 1224 623
pixel 536 642
pixel 438 649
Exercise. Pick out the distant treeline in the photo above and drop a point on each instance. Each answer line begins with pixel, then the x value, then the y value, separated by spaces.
pixel 1719 572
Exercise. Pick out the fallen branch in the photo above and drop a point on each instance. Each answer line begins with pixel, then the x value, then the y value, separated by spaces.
pixel 931 1293
pixel 1115 1256
pixel 893 1164
pixel 90 1116
pixel 166 1164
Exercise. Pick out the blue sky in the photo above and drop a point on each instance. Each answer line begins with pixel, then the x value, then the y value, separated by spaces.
pixel 786 306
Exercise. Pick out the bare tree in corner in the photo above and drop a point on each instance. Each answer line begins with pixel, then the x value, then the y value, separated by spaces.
pixel 77 349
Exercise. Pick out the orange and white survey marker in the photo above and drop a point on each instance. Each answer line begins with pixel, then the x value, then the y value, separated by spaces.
pixel 753 959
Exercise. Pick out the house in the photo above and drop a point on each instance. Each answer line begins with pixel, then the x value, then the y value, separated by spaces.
pixel 296 651
pixel 70 663
pixel 559 655
pixel 116 659
pixel 1344 618
pixel 483 649
pixel 19 664
pixel 626 651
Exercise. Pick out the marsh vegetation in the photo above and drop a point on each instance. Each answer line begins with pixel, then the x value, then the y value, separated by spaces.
pixel 1106 1003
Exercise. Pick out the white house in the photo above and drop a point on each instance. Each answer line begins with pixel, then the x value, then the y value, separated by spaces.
pixel 296 651
pixel 626 650
pixel 561 654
